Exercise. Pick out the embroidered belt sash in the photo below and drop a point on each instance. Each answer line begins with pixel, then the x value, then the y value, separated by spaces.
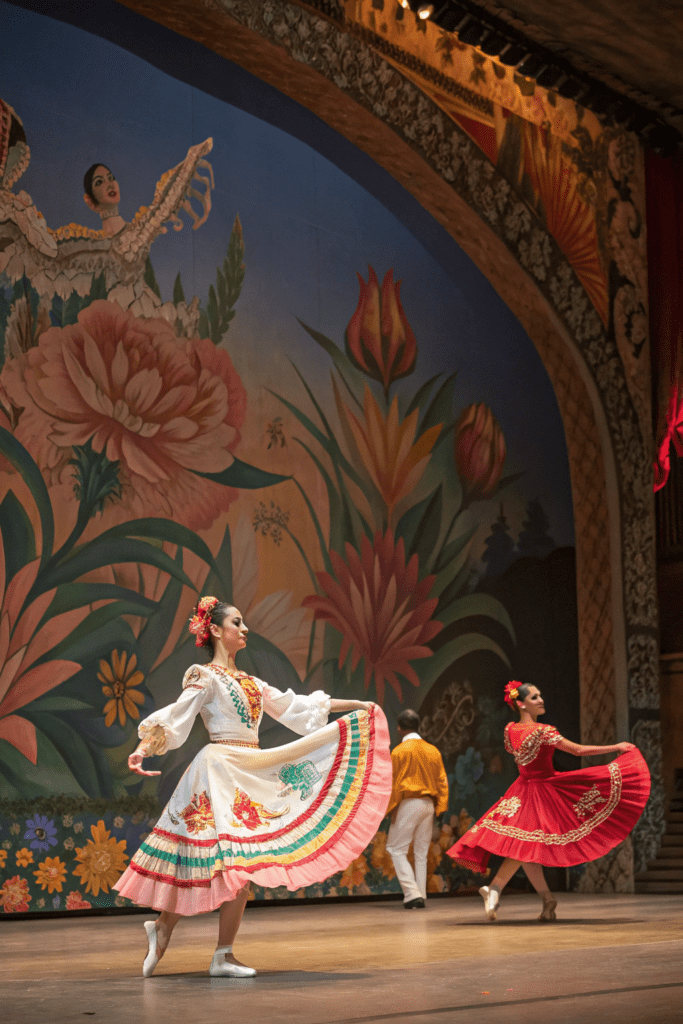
pixel 237 743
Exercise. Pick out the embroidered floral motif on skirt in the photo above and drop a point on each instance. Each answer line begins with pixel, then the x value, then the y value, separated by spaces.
pixel 265 832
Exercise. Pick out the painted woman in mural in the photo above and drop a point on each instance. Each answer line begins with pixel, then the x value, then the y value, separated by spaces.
pixel 292 815
pixel 549 818
pixel 68 259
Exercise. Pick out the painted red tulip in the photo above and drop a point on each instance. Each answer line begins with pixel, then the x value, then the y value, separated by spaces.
pixel 379 339
pixel 479 451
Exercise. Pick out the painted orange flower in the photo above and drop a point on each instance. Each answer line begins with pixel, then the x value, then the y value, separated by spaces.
pixel 161 406
pixel 379 339
pixel 120 679
pixel 24 857
pixel 3 858
pixel 25 636
pixel 355 873
pixel 14 895
pixel 381 608
pixel 101 861
pixel 387 446
pixel 74 901
pixel 51 874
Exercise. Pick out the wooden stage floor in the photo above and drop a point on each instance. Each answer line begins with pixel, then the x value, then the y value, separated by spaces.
pixel 607 959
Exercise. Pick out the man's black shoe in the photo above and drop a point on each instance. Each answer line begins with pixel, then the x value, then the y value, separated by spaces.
pixel 414 904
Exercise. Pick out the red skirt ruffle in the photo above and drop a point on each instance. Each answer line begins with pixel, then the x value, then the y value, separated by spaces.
pixel 560 819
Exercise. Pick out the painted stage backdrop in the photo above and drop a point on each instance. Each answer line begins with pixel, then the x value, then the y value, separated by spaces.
pixel 258 384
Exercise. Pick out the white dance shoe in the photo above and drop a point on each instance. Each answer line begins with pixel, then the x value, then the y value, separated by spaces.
pixel 152 958
pixel 491 899
pixel 221 968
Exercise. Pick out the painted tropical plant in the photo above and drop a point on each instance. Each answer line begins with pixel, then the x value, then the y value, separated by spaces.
pixel 400 469
pixel 117 440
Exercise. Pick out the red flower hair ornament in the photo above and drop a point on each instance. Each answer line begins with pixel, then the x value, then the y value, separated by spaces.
pixel 201 620
pixel 512 693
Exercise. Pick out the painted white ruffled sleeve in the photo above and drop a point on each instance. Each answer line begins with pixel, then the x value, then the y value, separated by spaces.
pixel 169 727
pixel 300 713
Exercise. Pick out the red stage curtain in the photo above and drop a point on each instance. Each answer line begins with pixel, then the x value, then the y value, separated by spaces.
pixel 664 193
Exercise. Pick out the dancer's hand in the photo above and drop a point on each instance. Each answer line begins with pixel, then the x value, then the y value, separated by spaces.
pixel 624 748
pixel 135 763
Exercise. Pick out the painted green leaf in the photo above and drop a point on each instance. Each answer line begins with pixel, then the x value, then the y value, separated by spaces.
pixel 430 669
pixel 51 774
pixel 426 535
pixel 441 407
pixel 162 529
pixel 109 551
pixel 77 595
pixel 99 633
pixel 339 357
pixel 18 539
pixel 244 477
pixel 421 396
pixel 477 604
pixel 58 703
pixel 157 629
pixel 453 548
pixel 15 453
pixel 73 750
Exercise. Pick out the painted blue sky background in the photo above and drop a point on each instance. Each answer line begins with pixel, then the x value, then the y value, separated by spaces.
pixel 308 225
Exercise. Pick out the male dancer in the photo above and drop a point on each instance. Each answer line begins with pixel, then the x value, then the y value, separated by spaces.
pixel 420 789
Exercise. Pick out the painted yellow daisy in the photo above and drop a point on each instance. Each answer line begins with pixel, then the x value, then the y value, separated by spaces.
pixel 101 861
pixel 120 679
pixel 50 874
pixel 24 857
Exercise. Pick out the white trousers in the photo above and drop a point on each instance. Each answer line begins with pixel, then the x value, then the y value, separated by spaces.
pixel 413 824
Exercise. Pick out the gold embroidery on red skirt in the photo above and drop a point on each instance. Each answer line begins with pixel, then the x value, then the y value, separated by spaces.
pixel 561 838
pixel 507 808
pixel 588 802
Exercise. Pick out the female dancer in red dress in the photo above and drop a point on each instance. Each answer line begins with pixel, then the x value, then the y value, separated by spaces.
pixel 552 818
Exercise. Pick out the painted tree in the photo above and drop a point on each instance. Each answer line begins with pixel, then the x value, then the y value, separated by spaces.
pixel 534 539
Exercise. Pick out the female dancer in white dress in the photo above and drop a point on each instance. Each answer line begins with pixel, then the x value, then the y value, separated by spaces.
pixel 292 815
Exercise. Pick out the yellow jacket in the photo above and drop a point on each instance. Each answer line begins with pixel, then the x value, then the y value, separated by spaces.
pixel 418 771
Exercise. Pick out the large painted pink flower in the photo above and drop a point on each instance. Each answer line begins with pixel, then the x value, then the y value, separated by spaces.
pixel 381 608
pixel 162 406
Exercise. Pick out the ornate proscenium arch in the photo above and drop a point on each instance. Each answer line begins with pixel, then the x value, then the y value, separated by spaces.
pixel 334 72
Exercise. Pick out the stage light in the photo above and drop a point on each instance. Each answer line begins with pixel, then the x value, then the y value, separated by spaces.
pixel 405 4
pixel 493 44
pixel 512 54
pixel 472 32
pixel 425 11
pixel 449 16
pixel 531 66
pixel 550 76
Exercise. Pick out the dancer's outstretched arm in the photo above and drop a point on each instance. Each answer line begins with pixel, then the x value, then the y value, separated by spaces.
pixel 581 750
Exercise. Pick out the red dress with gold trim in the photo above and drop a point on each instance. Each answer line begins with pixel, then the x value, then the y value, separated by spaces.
pixel 556 818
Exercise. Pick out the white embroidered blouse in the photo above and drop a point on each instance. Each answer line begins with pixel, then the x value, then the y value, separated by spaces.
pixel 231 707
